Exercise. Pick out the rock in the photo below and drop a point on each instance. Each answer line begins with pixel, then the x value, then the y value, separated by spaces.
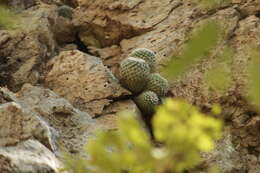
pixel 84 81
pixel 39 116
pixel 249 7
pixel 225 156
pixel 38 33
pixel 37 39
pixel 19 5
pixel 106 24
pixel 111 57
pixel 17 66
pixel 64 30
pixel 68 47
pixel 108 120
pixel 18 125
pixel 73 126
pixel 28 156
pixel 249 133
pixel 72 3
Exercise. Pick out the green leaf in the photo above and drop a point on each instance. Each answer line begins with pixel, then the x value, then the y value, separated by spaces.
pixel 254 79
pixel 218 77
pixel 7 18
pixel 200 43
pixel 212 3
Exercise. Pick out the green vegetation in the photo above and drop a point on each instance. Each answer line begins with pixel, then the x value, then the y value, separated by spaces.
pixel 136 76
pixel 218 77
pixel 201 42
pixel 181 132
pixel 212 3
pixel 134 73
pixel 254 79
pixel 6 18
pixel 147 101
pixel 157 84
pixel 147 55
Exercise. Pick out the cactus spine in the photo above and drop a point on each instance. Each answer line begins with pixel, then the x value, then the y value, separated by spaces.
pixel 147 55
pixel 157 84
pixel 147 101
pixel 134 74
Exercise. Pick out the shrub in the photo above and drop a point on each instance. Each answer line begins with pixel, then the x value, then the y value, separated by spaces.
pixel 181 133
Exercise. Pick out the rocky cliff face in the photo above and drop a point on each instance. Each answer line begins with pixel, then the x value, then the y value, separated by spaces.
pixel 61 75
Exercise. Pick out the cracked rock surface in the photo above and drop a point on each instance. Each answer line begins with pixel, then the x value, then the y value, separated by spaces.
pixel 61 75
pixel 84 81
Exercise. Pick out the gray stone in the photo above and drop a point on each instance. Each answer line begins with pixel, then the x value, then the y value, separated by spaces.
pixel 28 156
pixel 74 127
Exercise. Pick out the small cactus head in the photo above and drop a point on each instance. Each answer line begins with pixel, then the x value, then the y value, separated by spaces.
pixel 147 101
pixel 147 55
pixel 134 74
pixel 157 84
pixel 65 11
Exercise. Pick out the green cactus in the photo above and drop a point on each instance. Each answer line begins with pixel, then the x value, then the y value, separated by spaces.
pixel 134 74
pixel 147 101
pixel 157 84
pixel 65 11
pixel 147 55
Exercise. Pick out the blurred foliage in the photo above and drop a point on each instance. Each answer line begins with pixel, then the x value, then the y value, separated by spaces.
pixel 254 79
pixel 199 45
pixel 181 133
pixel 185 132
pixel 218 77
pixel 7 18
pixel 212 3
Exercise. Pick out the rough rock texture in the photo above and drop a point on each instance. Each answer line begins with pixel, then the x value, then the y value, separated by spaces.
pixel 28 156
pixel 39 114
pixel 72 125
pixel 225 156
pixel 17 124
pixel 44 52
pixel 84 81
pixel 24 52
pixel 109 117
pixel 19 5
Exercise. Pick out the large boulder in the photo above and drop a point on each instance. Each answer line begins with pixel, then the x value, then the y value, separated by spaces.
pixel 38 113
pixel 73 126
pixel 18 124
pixel 84 81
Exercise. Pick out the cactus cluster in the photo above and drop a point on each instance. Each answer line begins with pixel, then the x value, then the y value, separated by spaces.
pixel 137 73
